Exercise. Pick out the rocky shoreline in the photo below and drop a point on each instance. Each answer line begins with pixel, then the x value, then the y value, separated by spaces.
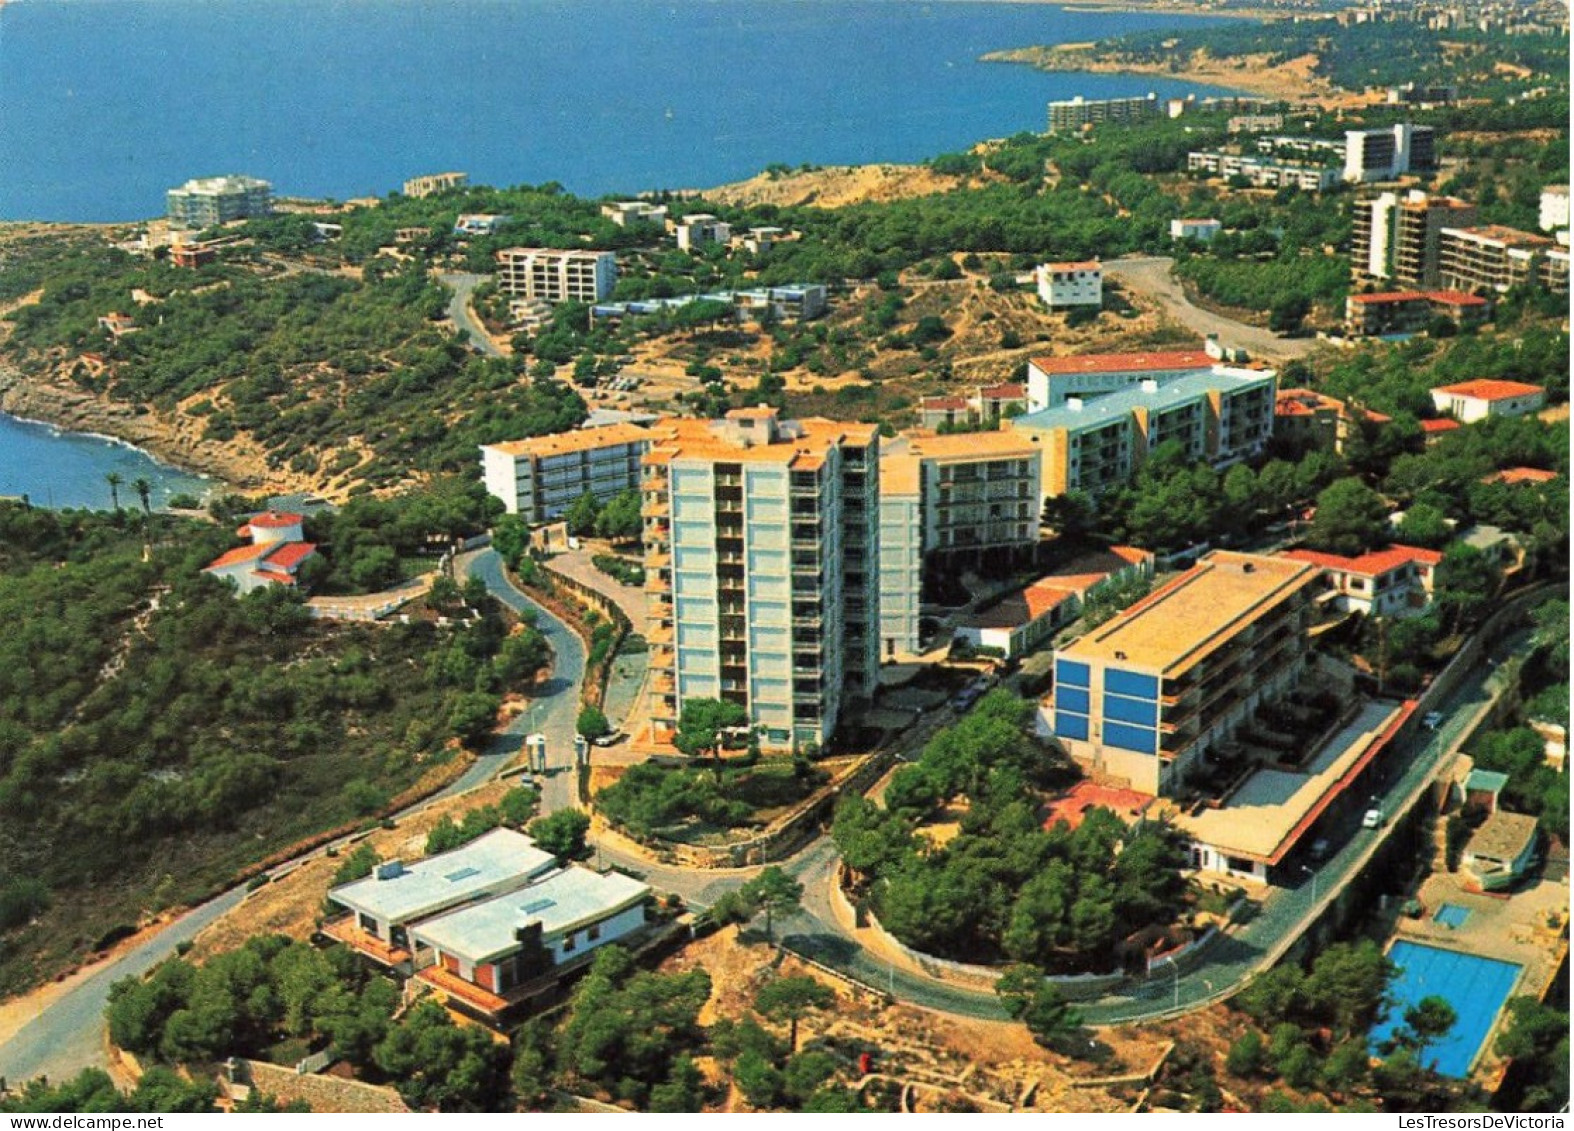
pixel 174 442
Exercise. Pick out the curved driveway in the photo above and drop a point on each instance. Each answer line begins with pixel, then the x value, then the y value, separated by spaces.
pixel 68 1035
pixel 463 317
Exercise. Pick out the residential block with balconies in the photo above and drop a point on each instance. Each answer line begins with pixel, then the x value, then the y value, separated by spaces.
pixel 549 275
pixel 762 570
pixel 1141 700
pixel 1222 416
pixel 946 501
pixel 540 478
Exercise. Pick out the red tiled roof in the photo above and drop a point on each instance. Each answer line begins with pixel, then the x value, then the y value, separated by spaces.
pixel 1522 475
pixel 288 555
pixel 1157 361
pixel 1127 804
pixel 1373 564
pixel 1431 427
pixel 1006 392
pixel 1085 265
pixel 1301 402
pixel 937 404
pixel 1389 296
pixel 270 519
pixel 1489 389
pixel 274 576
pixel 1455 298
pixel 1042 598
pixel 238 556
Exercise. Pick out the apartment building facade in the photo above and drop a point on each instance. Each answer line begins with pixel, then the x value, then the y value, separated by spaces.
pixel 1074 113
pixel 556 276
pixel 947 502
pixel 1222 416
pixel 1263 172
pixel 1383 154
pixel 1062 285
pixel 540 478
pixel 1495 258
pixel 626 212
pixel 1400 238
pixel 762 570
pixel 207 201
pixel 1144 698
pixel 697 229
pixel 433 183
pixel 1052 381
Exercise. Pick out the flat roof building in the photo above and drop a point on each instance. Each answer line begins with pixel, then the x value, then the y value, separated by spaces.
pixel 1074 113
pixel 762 567
pixel 540 478
pixel 626 212
pixel 1495 258
pixel 945 501
pixel 433 183
pixel 395 895
pixel 1141 700
pixel 1220 416
pixel 1062 285
pixel 505 943
pixel 550 275
pixel 207 201
pixel 1052 381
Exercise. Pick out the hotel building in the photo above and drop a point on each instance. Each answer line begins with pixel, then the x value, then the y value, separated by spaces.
pixel 556 276
pixel 1400 239
pixel 207 201
pixel 762 567
pixel 1141 700
pixel 1052 381
pixel 1074 113
pixel 1222 416
pixel 1382 154
pixel 540 478
pixel 946 500
pixel 1495 258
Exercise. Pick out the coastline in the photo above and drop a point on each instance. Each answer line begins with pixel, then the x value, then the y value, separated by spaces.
pixel 30 402
pixel 1292 81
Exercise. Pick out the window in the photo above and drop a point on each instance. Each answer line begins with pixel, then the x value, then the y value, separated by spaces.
pixel 568 942
pixel 593 933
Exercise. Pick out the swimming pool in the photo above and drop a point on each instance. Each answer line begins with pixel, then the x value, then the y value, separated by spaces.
pixel 1452 915
pixel 1476 987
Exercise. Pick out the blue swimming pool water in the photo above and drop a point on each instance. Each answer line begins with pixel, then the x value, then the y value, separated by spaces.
pixel 1476 987
pixel 1452 915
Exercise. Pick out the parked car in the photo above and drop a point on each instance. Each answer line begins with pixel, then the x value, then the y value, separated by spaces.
pixel 1321 848
pixel 611 739
pixel 1432 720
pixel 1373 819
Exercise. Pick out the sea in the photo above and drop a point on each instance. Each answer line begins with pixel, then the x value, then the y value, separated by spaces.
pixel 106 104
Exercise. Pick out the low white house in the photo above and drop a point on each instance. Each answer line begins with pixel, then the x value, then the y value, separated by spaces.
pixel 1070 284
pixel 700 228
pixel 275 556
pixel 1470 401
pixel 1392 582
pixel 385 904
pixel 1200 230
pixel 510 940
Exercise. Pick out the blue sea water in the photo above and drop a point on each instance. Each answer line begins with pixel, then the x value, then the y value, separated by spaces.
pixel 104 104
pixel 67 469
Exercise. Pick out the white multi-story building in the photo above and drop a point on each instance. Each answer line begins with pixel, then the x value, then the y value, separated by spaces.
pixel 207 201
pixel 1202 231
pixel 626 212
pixel 1051 381
pixel 540 478
pixel 700 228
pixel 1070 284
pixel 434 183
pixel 1554 208
pixel 946 501
pixel 556 276
pixel 1220 416
pixel 1383 154
pixel 762 570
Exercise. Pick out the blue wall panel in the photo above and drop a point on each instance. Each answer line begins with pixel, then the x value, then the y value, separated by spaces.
pixel 1073 699
pixel 1143 712
pixel 1131 738
pixel 1134 684
pixel 1069 671
pixel 1071 726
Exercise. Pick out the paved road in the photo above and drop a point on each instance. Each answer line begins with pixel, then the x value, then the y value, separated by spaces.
pixel 68 1036
pixel 1154 278
pixel 463 318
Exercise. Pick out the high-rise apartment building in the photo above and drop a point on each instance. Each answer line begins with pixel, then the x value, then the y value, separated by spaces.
pixel 946 502
pixel 207 201
pixel 540 478
pixel 556 276
pixel 1152 694
pixel 1495 258
pixel 1382 154
pixel 1074 113
pixel 1399 238
pixel 762 567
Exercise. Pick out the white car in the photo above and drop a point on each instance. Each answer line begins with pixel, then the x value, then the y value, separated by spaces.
pixel 1373 819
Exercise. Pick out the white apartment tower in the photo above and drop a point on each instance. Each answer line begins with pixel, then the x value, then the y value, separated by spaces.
pixel 556 276
pixel 762 570
pixel 540 478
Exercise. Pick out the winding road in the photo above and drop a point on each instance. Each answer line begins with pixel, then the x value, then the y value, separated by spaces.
pixel 463 317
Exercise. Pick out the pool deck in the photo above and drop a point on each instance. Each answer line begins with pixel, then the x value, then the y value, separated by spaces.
pixel 1524 927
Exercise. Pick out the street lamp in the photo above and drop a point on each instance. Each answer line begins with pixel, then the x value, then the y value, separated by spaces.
pixel 1175 972
pixel 1310 872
